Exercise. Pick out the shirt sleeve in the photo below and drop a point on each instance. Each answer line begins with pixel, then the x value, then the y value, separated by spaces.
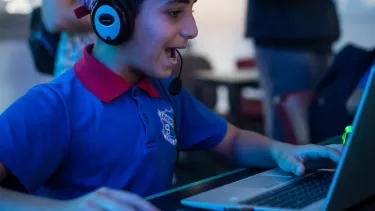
pixel 200 127
pixel 34 136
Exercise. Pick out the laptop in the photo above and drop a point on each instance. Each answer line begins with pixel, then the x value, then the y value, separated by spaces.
pixel 352 181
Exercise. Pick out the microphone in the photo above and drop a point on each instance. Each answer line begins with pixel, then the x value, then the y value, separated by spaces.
pixel 176 84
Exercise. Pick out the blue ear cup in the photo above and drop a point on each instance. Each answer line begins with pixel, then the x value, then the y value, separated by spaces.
pixel 112 21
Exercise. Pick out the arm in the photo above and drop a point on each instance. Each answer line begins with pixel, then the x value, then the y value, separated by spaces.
pixel 10 200
pixel 252 149
pixel 247 148
pixel 34 138
pixel 101 199
pixel 58 16
pixel 18 201
pixel 203 129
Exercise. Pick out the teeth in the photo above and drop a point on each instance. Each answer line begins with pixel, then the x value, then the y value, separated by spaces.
pixel 178 48
pixel 171 52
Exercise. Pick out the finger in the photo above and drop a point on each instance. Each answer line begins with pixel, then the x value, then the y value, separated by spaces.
pixel 320 152
pixel 333 153
pixel 302 158
pixel 131 199
pixel 338 147
pixel 292 164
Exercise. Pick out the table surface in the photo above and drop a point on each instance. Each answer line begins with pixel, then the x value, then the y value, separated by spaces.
pixel 170 200
pixel 238 76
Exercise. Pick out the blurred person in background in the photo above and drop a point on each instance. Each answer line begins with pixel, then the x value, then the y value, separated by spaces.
pixel 58 16
pixel 293 46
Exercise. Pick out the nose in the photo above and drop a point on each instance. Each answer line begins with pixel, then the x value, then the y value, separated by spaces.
pixel 189 29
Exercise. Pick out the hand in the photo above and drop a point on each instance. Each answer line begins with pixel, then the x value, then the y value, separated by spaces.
pixel 295 159
pixel 110 200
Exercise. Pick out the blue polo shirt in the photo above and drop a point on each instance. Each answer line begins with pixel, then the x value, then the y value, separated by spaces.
pixel 89 128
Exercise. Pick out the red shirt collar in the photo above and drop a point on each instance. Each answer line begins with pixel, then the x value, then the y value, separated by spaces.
pixel 102 82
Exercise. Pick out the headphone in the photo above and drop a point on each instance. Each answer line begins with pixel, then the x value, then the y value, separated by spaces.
pixel 113 20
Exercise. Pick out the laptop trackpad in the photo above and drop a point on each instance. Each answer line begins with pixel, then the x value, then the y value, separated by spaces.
pixel 261 181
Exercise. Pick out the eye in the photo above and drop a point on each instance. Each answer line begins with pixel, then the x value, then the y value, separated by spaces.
pixel 174 13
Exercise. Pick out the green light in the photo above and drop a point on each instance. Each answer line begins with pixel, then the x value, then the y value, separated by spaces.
pixel 348 129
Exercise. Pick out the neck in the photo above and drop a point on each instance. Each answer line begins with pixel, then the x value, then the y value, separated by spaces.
pixel 113 59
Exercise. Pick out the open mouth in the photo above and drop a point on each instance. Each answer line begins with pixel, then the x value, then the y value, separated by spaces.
pixel 171 53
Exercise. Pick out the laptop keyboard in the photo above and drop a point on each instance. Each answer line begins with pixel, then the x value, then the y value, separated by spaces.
pixel 298 194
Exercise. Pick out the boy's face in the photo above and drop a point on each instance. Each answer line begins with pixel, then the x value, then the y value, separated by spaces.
pixel 161 27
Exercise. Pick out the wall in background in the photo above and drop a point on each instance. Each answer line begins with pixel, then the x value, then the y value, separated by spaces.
pixel 17 73
pixel 221 25
pixel 357 22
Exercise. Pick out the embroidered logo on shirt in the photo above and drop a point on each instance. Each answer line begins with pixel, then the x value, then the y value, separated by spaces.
pixel 166 118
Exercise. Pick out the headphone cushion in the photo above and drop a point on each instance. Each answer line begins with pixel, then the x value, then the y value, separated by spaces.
pixel 112 21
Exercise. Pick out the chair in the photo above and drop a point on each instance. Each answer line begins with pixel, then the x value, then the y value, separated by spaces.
pixel 251 108
pixel 245 63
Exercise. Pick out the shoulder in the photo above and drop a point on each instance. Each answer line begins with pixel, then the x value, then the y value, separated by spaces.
pixel 58 88
pixel 39 100
pixel 67 85
pixel 51 96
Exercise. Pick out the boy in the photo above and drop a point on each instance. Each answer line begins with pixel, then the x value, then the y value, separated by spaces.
pixel 110 121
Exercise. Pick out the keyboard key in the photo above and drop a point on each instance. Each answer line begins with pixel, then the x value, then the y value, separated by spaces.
pixel 298 194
